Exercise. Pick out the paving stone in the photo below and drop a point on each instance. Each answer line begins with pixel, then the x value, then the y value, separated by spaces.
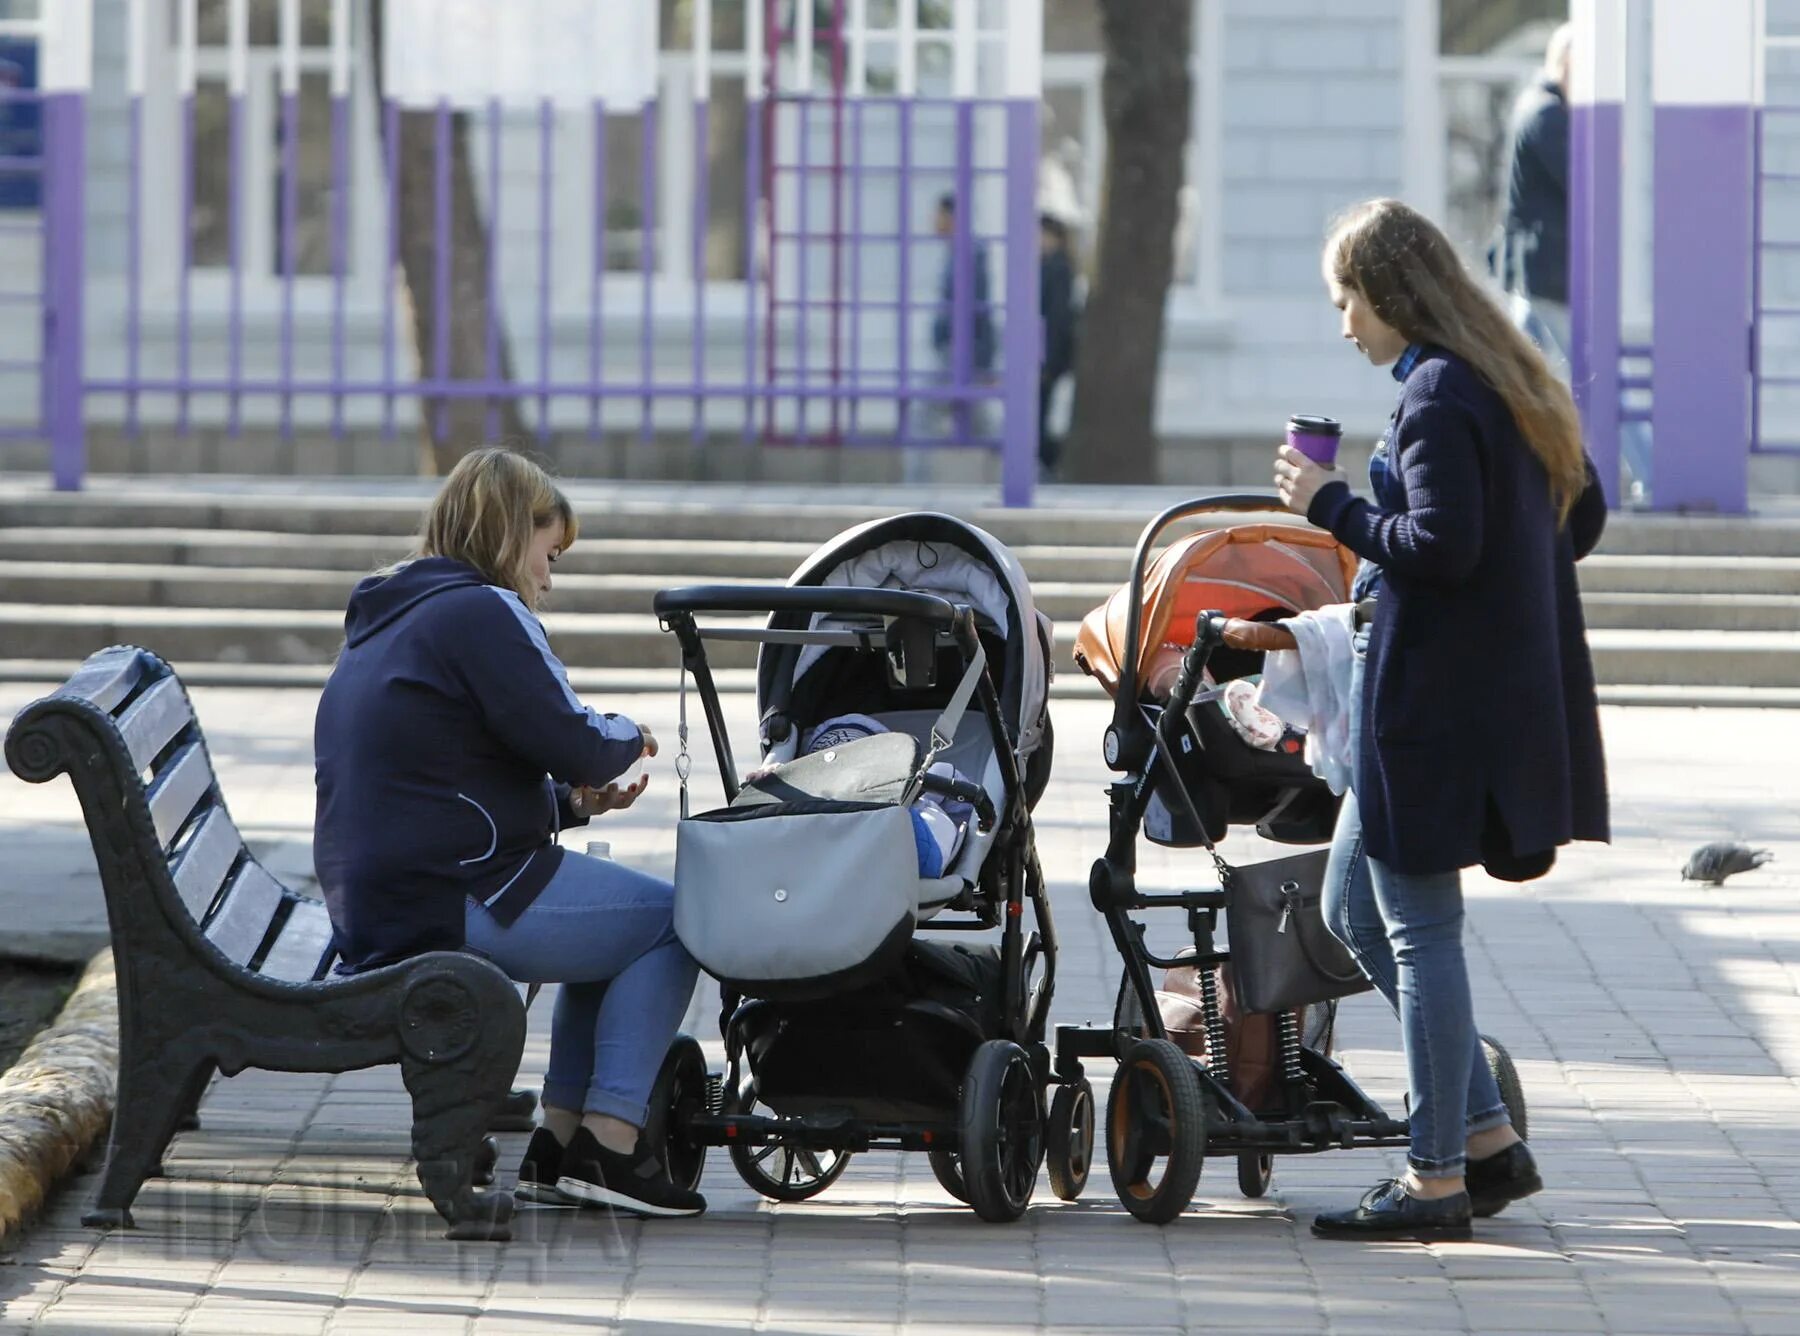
pixel 1657 1029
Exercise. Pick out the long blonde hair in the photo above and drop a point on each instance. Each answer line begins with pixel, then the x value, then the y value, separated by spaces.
pixel 486 513
pixel 1415 282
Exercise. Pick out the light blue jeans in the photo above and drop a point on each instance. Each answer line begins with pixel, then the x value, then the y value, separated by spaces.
pixel 606 934
pixel 1405 931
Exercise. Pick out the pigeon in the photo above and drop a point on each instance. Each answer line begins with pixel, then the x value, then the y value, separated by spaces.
pixel 1712 863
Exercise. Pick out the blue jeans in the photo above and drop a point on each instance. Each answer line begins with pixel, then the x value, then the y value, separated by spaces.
pixel 606 934
pixel 1405 931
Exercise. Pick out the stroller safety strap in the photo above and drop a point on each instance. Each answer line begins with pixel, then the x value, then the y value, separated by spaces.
pixel 943 729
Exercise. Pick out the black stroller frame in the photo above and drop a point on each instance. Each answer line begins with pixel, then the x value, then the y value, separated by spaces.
pixel 987 1150
pixel 1165 1104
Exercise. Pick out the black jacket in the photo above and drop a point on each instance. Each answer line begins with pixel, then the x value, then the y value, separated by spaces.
pixel 445 746
pixel 1536 222
pixel 1056 300
pixel 1479 692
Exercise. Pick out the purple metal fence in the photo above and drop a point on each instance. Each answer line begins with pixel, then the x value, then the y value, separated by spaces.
pixel 816 367
pixel 27 173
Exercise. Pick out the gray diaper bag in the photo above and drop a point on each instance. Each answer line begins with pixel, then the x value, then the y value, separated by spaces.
pixel 809 884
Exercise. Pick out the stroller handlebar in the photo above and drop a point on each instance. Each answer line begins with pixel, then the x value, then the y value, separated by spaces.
pixel 805 598
pixel 1240 634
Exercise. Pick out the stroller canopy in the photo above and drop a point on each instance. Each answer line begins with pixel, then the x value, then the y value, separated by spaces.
pixel 927 553
pixel 1248 570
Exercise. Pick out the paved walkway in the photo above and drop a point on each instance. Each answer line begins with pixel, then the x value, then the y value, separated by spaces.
pixel 1657 1027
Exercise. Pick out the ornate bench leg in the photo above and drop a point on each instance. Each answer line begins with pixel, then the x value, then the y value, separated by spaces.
pixel 517 1112
pixel 458 1071
pixel 153 1097
pixel 190 1118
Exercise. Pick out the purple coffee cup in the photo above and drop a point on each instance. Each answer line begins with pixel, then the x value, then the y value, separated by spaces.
pixel 1315 437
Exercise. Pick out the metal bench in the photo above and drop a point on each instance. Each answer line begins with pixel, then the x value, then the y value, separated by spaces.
pixel 221 967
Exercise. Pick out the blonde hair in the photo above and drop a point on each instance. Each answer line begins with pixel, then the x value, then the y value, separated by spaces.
pixel 1414 282
pixel 486 513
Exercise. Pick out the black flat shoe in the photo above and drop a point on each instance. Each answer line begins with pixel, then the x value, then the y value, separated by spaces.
pixel 1502 1178
pixel 540 1169
pixel 1388 1211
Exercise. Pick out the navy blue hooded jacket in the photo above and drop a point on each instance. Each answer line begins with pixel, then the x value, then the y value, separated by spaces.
pixel 1479 689
pixel 446 743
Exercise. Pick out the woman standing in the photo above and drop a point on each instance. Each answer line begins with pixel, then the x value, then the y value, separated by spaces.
pixel 450 751
pixel 1477 735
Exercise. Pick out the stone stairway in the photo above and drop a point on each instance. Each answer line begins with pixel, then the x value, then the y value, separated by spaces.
pixel 249 587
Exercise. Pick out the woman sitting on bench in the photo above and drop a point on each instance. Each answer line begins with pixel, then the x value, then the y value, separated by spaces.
pixel 450 750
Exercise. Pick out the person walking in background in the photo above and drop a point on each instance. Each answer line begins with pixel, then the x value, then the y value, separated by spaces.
pixel 1057 305
pixel 1534 242
pixel 946 418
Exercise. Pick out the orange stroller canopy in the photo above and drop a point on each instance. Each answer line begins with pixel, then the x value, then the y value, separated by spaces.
pixel 1244 570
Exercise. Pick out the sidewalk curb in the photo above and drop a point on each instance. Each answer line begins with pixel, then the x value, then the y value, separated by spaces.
pixel 57 1099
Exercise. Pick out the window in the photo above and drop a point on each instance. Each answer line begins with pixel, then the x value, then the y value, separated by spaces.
pixel 1488 51
pixel 258 175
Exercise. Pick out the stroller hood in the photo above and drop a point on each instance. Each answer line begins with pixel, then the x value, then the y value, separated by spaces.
pixel 936 554
pixel 1243 570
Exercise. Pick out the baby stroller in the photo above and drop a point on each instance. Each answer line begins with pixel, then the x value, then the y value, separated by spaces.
pixel 849 1023
pixel 1169 646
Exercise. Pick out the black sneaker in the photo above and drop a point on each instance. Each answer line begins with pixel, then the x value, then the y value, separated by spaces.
pixel 1502 1178
pixel 1389 1211
pixel 540 1169
pixel 596 1176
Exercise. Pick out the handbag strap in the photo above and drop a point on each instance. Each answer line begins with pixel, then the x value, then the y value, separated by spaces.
pixel 1354 975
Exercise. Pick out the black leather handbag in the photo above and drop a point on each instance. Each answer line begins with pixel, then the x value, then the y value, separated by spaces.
pixel 1282 955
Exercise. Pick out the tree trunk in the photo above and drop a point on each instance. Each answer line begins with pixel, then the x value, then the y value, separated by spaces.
pixel 451 426
pixel 1146 95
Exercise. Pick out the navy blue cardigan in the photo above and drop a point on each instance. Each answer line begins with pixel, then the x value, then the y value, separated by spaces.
pixel 1478 699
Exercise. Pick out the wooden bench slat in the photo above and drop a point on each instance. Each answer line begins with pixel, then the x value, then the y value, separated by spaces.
pixel 245 911
pixel 175 791
pixel 303 947
pixel 204 861
pixel 106 678
pixel 152 719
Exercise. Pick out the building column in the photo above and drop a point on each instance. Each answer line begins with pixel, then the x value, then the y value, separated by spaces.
pixel 1704 80
pixel 67 71
pixel 1596 97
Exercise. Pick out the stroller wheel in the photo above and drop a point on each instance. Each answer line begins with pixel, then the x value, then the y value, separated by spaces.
pixel 1156 1112
pixel 1002 1131
pixel 783 1173
pixel 1254 1173
pixel 677 1098
pixel 1506 1076
pixel 946 1167
pixel 1069 1139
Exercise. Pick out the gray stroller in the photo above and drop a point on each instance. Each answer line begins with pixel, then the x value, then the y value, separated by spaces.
pixel 852 1018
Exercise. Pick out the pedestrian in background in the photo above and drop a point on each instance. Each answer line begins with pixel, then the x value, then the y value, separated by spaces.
pixel 1534 241
pixel 1061 314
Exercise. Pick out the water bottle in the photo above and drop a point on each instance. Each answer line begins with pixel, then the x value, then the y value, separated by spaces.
pixel 599 848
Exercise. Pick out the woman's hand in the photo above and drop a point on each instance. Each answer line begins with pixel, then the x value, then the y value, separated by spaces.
pixel 650 748
pixel 589 802
pixel 1298 479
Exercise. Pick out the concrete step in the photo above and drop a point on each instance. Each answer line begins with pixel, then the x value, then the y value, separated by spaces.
pixel 1098 517
pixel 766 559
pixel 1623 657
pixel 1689 658
pixel 274 588
pixel 1692 612
pixel 621 681
pixel 1611 573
